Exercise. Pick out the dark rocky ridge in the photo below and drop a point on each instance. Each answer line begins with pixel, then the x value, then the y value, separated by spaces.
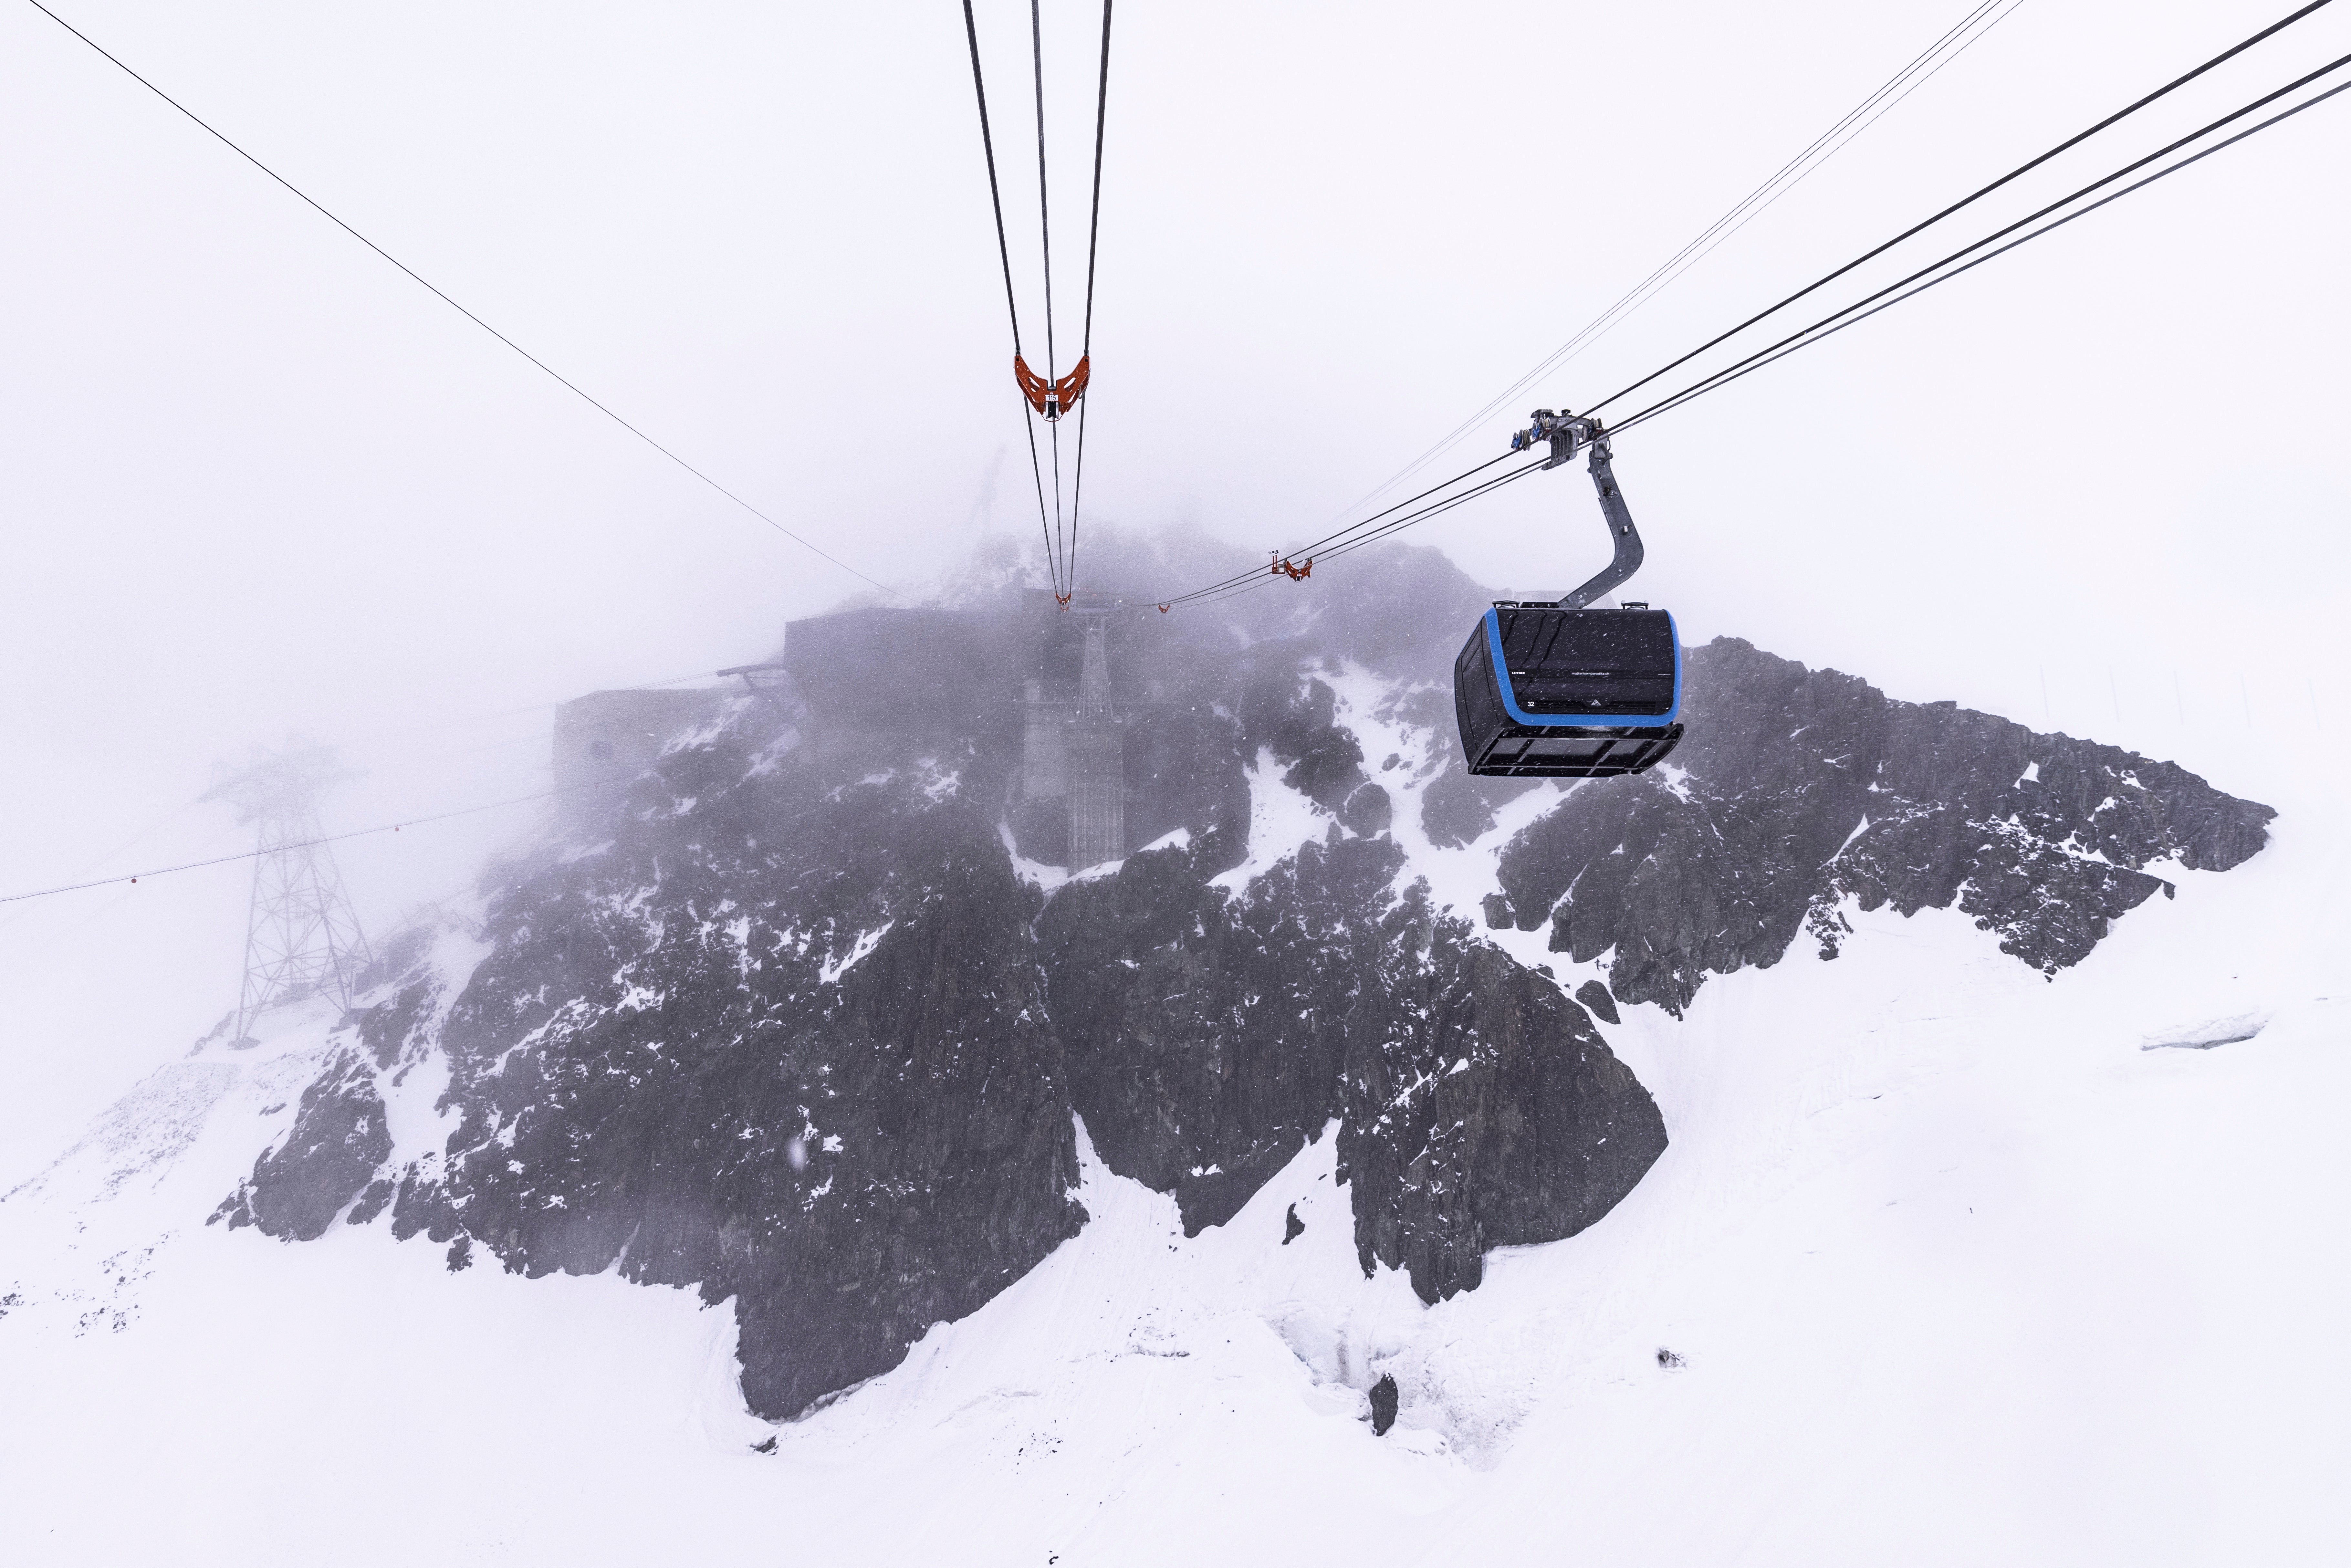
pixel 1808 787
pixel 784 1022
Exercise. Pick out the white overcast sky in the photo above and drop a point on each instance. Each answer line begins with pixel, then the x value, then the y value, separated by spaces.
pixel 253 480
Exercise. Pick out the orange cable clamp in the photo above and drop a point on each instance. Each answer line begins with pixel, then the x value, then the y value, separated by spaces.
pixel 1052 399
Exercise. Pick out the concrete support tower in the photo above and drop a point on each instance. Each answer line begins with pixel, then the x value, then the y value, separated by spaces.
pixel 1096 760
pixel 1044 758
pixel 301 939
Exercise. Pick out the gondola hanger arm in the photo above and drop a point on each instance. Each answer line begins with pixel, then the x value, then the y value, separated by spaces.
pixel 1567 433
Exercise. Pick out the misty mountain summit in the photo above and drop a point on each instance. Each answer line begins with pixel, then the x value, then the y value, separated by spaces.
pixel 976 1036
pixel 814 1009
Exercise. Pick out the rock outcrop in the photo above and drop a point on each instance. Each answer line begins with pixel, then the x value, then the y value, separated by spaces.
pixel 785 1018
pixel 1799 788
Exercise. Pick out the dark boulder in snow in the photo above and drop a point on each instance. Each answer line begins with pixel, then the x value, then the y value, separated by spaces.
pixel 1383 1405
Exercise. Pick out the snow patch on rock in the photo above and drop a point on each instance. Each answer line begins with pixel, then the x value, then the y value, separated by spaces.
pixel 1281 820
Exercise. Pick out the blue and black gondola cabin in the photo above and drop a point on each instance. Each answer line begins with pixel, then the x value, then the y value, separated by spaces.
pixel 1546 693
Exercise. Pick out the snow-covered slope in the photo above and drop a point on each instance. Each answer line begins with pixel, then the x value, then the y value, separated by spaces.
pixel 1958 1270
pixel 1949 1259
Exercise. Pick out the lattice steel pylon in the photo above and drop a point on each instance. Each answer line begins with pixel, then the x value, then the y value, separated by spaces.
pixel 301 939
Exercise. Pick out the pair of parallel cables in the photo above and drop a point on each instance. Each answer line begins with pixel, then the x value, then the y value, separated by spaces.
pixel 1956 40
pixel 1456 491
pixel 1052 395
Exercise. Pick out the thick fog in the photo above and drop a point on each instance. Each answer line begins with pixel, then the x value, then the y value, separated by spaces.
pixel 258 483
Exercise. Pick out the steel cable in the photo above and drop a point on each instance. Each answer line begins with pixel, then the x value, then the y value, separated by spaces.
pixel 2018 173
pixel 1342 533
pixel 1831 325
pixel 306 844
pixel 1744 211
pixel 1044 203
pixel 1011 301
pixel 1249 582
pixel 1834 325
pixel 1791 345
pixel 1852 315
pixel 559 378
pixel 1094 243
pixel 1068 580
pixel 1680 261
pixel 1355 536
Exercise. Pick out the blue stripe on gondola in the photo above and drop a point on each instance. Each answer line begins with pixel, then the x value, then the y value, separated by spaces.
pixel 1578 721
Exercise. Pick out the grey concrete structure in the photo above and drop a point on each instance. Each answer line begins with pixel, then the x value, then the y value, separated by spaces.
pixel 608 738
pixel 872 677
pixel 1097 763
pixel 1044 759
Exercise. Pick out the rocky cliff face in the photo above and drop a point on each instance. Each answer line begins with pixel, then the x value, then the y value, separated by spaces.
pixel 777 1031
pixel 1806 788
pixel 791 1019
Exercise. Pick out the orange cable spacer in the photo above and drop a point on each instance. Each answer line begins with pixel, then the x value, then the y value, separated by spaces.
pixel 1051 400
